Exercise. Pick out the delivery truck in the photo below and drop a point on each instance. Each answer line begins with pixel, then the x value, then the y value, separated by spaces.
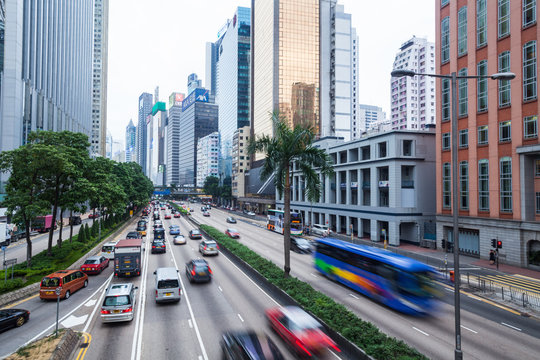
pixel 128 258
pixel 43 224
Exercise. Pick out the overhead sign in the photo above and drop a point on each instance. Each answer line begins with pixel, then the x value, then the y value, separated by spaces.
pixel 162 192
pixel 200 95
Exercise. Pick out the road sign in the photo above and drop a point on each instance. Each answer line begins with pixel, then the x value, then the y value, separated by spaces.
pixel 58 291
pixel 10 262
pixel 3 248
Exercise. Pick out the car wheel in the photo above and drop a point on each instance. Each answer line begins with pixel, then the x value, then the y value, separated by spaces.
pixel 67 295
pixel 20 321
pixel 86 282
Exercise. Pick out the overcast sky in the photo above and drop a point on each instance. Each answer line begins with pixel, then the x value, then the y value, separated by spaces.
pixel 160 42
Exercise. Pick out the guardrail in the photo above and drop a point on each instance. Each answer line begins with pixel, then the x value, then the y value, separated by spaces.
pixel 515 294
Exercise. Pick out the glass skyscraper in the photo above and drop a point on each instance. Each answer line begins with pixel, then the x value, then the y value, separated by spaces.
pixel 145 108
pixel 131 136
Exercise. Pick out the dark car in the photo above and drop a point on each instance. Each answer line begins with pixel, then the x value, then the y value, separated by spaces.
pixel 198 270
pixel 159 233
pixel 301 245
pixel 195 234
pixel 133 235
pixel 158 246
pixel 241 345
pixel 13 318
pixel 231 220
pixel 75 220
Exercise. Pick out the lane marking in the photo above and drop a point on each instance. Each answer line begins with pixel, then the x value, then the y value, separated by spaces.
pixel 73 321
pixel 87 340
pixel 220 289
pixel 21 301
pixel 314 275
pixel 190 323
pixel 90 302
pixel 512 327
pixel 97 305
pixel 420 331
pixel 136 346
pixel 471 330
pixel 354 296
pixel 242 320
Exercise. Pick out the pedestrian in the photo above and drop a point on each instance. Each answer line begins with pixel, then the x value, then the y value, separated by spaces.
pixel 491 257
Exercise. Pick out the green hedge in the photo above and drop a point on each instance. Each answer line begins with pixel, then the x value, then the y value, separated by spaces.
pixel 362 333
pixel 62 258
pixel 180 209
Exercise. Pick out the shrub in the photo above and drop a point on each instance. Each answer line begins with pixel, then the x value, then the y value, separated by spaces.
pixel 10 285
pixel 82 235
pixel 87 234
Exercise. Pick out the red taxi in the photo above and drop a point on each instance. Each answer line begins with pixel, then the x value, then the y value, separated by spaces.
pixel 95 264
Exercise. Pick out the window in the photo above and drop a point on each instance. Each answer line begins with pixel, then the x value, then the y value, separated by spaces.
pixel 446 178
pixel 446 141
pixel 382 149
pixel 529 12
pixel 462 31
pixel 505 131
pixel 445 106
pixel 505 175
pixel 445 40
pixel 464 185
pixel 482 135
pixel 463 138
pixel 529 71
pixel 407 147
pixel 483 185
pixel 481 23
pixel 503 18
pixel 530 127
pixel 444 2
pixel 462 85
pixel 537 167
pixel 504 85
pixel 482 84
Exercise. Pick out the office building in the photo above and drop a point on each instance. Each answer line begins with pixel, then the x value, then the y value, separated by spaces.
pixel 382 188
pixel 199 118
pixel 413 98
pixel 173 144
pixel 240 163
pixel 109 145
pixel 154 158
pixel 145 109
pixel 207 157
pixel 193 83
pixel 369 117
pixel 498 144
pixel 228 70
pixel 99 80
pixel 131 136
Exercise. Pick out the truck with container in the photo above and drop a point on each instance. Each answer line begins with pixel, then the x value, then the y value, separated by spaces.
pixel 128 258
pixel 5 236
pixel 43 224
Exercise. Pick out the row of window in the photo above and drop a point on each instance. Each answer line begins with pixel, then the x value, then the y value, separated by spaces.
pixel 528 9
pixel 530 131
pixel 505 185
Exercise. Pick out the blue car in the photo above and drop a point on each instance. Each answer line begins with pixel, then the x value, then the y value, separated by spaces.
pixel 174 230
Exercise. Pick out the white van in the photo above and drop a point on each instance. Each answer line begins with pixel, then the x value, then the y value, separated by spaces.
pixel 321 230
pixel 107 250
pixel 167 285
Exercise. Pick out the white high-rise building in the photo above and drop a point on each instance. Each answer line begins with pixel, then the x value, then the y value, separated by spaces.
pixel 413 98
pixel 207 157
pixel 369 116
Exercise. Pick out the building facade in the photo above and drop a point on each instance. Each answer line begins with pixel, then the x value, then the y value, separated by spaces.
pixel 99 79
pixel 240 162
pixel 383 187
pixel 193 83
pixel 131 136
pixel 145 109
pixel 498 145
pixel 413 98
pixel 173 144
pixel 368 117
pixel 154 160
pixel 207 157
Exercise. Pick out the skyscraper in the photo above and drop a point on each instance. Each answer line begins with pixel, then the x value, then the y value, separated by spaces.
pixel 99 81
pixel 154 156
pixel 131 136
pixel 193 83
pixel 368 116
pixel 207 157
pixel 145 108
pixel 413 98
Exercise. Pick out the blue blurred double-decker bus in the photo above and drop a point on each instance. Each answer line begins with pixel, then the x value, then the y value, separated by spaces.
pixel 399 282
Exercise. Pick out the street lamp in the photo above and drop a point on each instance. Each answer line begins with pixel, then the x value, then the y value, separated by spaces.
pixel 458 354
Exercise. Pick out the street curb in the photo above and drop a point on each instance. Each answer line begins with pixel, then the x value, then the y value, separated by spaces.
pixel 13 296
pixel 65 347
pixel 347 347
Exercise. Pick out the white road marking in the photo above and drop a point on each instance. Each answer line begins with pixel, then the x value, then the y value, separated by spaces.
pixel 239 316
pixel 420 331
pixel 354 296
pixel 190 323
pixel 474 297
pixel 471 330
pixel 73 321
pixel 220 289
pixel 447 289
pixel 314 275
pixel 90 302
pixel 512 327
pixel 97 305
pixel 136 346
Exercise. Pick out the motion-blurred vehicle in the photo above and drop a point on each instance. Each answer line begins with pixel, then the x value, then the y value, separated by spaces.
pixel 158 246
pixel 208 247
pixel 179 240
pixel 300 330
pixel 95 264
pixel 119 303
pixel 231 220
pixel 198 270
pixel 206 213
pixel 75 220
pixel 174 230
pixel 176 214
pixel 133 235
pixel 248 344
pixel 167 215
pixel 159 234
pixel 13 318
pixel 233 233
pixel 301 245
pixel 195 234
pixel 94 215
pixel 167 285
pixel 68 281
pixel 321 230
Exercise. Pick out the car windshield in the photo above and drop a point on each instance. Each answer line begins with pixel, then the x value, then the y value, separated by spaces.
pixel 50 282
pixel 195 232
pixel 420 284
pixel 301 241
pixel 201 268
pixel 158 243
pixel 107 248
pixel 91 261
pixel 233 230
pixel 167 284
pixel 118 300
pixel 211 244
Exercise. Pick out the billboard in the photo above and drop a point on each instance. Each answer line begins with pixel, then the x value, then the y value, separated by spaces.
pixel 199 94
pixel 175 99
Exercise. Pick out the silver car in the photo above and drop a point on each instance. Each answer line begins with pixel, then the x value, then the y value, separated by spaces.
pixel 119 303
pixel 179 240
pixel 208 247
pixel 167 285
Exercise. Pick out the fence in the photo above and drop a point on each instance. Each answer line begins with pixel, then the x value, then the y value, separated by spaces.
pixel 515 294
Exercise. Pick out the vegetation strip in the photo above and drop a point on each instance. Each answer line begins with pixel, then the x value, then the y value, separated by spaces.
pixel 362 333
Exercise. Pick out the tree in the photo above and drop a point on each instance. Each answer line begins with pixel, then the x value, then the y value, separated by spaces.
pixel 211 186
pixel 82 234
pixel 287 147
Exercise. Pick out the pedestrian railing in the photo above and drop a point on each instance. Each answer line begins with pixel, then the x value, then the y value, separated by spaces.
pixel 512 293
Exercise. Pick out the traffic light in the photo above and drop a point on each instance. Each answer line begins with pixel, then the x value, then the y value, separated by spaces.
pixel 493 243
pixel 499 244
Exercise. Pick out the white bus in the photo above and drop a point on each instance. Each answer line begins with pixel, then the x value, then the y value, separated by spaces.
pixel 275 222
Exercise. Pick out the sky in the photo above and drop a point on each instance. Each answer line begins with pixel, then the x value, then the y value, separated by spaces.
pixel 160 42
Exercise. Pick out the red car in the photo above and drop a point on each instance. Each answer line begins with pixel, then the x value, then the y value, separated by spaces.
pixel 167 216
pixel 95 264
pixel 232 233
pixel 300 330
pixel 92 215
pixel 176 215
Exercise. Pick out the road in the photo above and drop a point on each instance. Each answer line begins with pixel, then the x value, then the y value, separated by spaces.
pixel 487 330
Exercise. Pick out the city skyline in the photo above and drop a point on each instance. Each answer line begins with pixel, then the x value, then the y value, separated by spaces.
pixel 182 55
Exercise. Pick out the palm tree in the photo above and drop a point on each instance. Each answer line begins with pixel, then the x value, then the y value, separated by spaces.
pixel 286 147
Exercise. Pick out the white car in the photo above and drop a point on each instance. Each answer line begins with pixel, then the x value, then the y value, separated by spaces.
pixel 208 247
pixel 179 240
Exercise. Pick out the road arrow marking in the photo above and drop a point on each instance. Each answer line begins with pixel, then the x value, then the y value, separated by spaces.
pixel 90 302
pixel 73 321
